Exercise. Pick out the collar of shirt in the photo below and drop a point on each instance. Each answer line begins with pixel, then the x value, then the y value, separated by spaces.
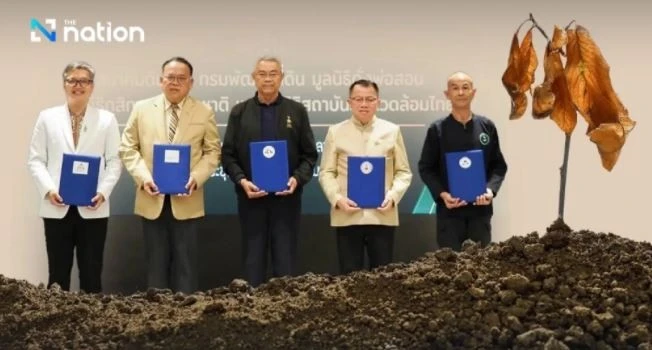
pixel 168 104
pixel 361 126
pixel 78 116
pixel 471 119
pixel 276 102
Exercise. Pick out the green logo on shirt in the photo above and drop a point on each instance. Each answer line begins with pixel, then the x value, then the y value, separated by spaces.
pixel 484 139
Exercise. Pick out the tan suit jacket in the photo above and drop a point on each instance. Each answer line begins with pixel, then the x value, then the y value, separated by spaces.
pixel 147 126
pixel 350 138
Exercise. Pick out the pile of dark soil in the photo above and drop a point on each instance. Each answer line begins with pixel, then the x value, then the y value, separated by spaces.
pixel 564 290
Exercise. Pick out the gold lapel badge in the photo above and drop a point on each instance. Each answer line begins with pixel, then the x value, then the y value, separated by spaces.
pixel 288 123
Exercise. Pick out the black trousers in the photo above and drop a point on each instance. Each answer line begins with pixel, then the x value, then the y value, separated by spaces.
pixel 269 222
pixel 453 231
pixel 171 251
pixel 351 243
pixel 87 236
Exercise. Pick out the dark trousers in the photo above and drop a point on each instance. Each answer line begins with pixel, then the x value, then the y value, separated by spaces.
pixel 87 236
pixel 351 243
pixel 270 221
pixel 171 251
pixel 453 231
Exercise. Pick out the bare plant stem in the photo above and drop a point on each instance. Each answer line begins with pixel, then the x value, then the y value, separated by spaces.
pixel 521 25
pixel 569 24
pixel 563 172
pixel 534 22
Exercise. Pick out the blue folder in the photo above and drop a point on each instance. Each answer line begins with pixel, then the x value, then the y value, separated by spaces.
pixel 171 168
pixel 269 165
pixel 366 181
pixel 79 177
pixel 466 174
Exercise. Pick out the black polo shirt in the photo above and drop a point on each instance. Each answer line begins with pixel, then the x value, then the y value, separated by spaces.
pixel 449 135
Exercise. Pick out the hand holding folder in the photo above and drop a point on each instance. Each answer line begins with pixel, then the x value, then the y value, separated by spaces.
pixel 55 199
pixel 251 189
pixel 151 188
pixel 171 168
pixel 292 185
pixel 347 205
pixel 79 178
pixel 97 201
pixel 366 181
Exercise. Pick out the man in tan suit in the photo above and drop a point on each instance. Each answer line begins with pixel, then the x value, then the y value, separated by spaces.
pixel 170 222
pixel 364 135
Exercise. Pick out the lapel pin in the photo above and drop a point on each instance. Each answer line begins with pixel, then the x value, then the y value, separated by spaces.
pixel 288 123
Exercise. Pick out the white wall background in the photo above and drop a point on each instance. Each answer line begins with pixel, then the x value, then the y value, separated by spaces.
pixel 437 37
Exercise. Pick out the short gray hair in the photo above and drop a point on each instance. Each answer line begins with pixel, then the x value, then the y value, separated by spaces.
pixel 269 59
pixel 79 65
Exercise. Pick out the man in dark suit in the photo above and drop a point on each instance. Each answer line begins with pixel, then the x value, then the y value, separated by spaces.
pixel 269 218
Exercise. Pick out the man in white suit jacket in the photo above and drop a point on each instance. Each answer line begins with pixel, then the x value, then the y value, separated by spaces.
pixel 75 128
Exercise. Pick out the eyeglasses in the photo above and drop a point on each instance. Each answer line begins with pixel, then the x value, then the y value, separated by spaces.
pixel 80 82
pixel 368 99
pixel 264 75
pixel 178 79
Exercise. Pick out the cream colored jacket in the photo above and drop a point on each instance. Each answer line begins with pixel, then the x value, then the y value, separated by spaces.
pixel 377 138
pixel 147 125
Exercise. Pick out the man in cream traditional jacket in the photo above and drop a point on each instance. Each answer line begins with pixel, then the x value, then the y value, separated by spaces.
pixel 75 128
pixel 170 222
pixel 364 135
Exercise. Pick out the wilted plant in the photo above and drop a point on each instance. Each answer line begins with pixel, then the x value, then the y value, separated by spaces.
pixel 581 85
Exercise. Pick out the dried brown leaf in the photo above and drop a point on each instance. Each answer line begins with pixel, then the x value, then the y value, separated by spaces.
pixel 528 62
pixel 552 97
pixel 519 105
pixel 519 74
pixel 609 138
pixel 543 100
pixel 559 39
pixel 510 76
pixel 587 73
pixel 564 112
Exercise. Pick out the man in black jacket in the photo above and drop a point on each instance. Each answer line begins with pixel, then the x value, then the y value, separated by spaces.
pixel 462 130
pixel 269 218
